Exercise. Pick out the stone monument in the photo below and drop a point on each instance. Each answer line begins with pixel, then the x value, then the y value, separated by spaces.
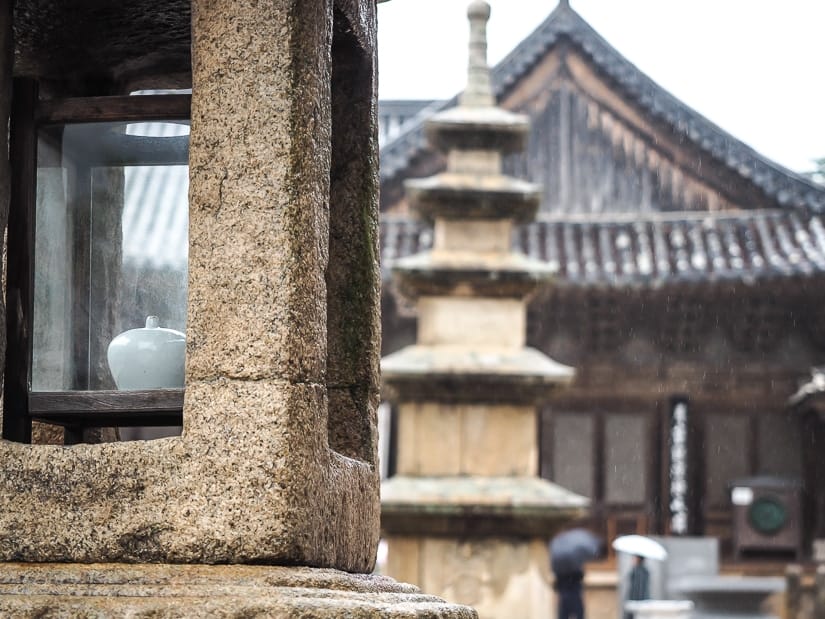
pixel 276 465
pixel 467 517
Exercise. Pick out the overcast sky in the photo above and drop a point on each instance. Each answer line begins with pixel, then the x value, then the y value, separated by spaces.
pixel 754 67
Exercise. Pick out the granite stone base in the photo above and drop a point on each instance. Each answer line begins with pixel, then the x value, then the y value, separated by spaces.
pixel 165 591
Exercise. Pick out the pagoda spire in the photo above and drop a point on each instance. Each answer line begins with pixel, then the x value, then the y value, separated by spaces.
pixel 479 91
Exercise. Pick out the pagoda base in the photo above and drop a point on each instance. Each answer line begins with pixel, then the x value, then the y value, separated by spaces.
pixel 481 541
pixel 498 576
pixel 170 591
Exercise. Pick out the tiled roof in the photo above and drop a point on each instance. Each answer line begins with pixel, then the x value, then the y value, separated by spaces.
pixel 748 246
pixel 394 114
pixel 781 184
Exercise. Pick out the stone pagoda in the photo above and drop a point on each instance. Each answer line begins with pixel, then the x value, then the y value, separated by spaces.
pixel 467 516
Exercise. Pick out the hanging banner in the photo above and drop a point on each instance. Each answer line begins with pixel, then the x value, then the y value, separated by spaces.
pixel 678 471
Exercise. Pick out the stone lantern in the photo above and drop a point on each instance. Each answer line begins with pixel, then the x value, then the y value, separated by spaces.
pixel 267 504
pixel 467 516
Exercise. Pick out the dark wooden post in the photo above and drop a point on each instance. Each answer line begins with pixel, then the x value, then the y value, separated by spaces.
pixel 6 60
pixel 793 591
pixel 17 148
pixel 19 267
pixel 819 479
pixel 819 595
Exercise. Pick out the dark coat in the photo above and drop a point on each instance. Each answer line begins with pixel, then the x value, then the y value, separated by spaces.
pixel 569 589
pixel 569 581
pixel 639 583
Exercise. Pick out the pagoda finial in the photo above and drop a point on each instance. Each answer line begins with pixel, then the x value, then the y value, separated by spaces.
pixel 479 91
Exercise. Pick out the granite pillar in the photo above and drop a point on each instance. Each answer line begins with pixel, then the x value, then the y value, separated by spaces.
pixel 256 398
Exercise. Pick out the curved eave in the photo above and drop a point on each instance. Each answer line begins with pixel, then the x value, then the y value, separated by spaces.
pixel 449 494
pixel 470 506
pixel 456 374
pixel 508 276
pixel 528 364
pixel 462 196
pixel 487 128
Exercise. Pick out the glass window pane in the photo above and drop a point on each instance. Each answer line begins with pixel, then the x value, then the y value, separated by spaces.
pixel 52 300
pixel 111 243
pixel 625 459
pixel 573 452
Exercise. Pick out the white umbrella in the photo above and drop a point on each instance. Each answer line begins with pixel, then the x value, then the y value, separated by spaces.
pixel 640 546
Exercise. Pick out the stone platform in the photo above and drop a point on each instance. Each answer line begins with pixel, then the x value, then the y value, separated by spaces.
pixel 171 591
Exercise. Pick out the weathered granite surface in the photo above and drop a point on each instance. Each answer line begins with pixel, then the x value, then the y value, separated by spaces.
pixel 168 591
pixel 264 471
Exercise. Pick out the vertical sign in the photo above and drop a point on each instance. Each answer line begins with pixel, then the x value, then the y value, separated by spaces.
pixel 678 472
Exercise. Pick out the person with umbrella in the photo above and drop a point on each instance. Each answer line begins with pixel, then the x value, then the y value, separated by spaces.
pixel 568 553
pixel 638 580
pixel 638 583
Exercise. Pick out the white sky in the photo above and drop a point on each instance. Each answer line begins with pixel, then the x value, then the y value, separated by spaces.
pixel 754 67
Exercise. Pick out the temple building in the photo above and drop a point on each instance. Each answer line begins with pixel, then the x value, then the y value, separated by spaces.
pixel 690 276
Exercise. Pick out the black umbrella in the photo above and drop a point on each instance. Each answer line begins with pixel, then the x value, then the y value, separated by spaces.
pixel 571 549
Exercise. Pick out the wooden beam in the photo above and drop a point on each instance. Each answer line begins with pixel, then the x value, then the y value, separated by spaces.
pixel 113 109
pixel 156 407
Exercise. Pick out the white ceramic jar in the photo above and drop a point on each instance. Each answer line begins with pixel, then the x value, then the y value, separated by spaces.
pixel 148 358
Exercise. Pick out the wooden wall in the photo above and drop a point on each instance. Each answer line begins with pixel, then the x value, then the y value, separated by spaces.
pixel 595 151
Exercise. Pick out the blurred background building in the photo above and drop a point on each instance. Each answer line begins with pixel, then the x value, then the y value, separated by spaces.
pixel 690 274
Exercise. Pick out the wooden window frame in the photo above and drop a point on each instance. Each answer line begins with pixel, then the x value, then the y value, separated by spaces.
pixel 602 515
pixel 73 409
